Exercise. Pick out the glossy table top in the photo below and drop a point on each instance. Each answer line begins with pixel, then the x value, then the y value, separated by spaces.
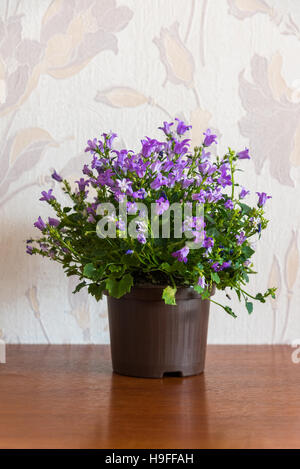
pixel 63 396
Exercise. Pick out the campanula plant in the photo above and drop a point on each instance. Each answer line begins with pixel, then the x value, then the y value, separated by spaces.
pixel 108 239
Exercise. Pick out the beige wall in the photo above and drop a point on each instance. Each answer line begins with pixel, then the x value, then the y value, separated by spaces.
pixel 71 69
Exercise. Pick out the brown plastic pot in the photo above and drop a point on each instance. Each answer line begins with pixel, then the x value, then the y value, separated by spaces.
pixel 151 339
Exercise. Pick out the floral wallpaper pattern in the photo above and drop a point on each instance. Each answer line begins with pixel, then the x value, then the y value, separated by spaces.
pixel 71 69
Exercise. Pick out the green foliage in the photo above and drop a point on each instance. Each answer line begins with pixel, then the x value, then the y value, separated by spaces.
pixel 96 290
pixel 169 295
pixel 229 311
pixel 118 288
pixel 215 277
pixel 114 265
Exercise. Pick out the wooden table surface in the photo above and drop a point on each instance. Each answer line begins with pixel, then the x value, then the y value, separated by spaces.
pixel 66 396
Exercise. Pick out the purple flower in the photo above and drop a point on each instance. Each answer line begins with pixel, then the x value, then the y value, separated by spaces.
pixel 203 167
pixel 205 155
pixel 162 205
pixel 200 197
pixel 186 182
pixel 119 196
pixel 188 224
pixel 181 127
pixel 224 179
pixel 201 282
pixel 158 182
pixel 181 148
pixel 131 208
pixel 81 184
pixel 244 155
pixel 53 221
pixel 262 198
pixel 241 238
pixel 140 168
pixel 129 251
pixel 96 163
pixel 47 196
pixel 209 138
pixel 150 146
pixel 86 170
pixel 56 176
pixel 214 196
pixel 225 265
pixel 141 238
pixel 29 250
pixel 156 166
pixel 91 218
pixel 182 254
pixel 243 193
pixel 229 204
pixel 166 128
pixel 124 185
pixel 40 224
pixel 120 225
pixel 208 242
pixel 216 266
pixel 109 138
pixel 168 165
pixel 92 146
pixel 140 194
pixel 199 223
pixel 121 157
pixel 104 179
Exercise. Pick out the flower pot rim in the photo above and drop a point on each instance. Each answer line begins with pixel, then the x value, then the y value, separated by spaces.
pixel 152 292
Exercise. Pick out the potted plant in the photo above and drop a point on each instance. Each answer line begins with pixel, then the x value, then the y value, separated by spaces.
pixel 157 231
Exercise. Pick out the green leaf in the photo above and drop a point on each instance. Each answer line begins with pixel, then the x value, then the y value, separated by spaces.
pixel 71 271
pixel 260 298
pixel 249 306
pixel 96 290
pixel 130 259
pixel 198 289
pixel 169 295
pixel 245 276
pixel 205 295
pixel 118 288
pixel 271 291
pixel 165 266
pixel 116 268
pixel 209 218
pixel 79 287
pixel 89 270
pixel 245 208
pixel 215 277
pixel 229 311
pixel 247 251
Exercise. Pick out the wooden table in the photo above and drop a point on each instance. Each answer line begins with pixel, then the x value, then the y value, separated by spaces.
pixel 67 397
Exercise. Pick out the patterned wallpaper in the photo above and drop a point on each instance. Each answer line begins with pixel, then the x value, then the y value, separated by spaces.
pixel 71 69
